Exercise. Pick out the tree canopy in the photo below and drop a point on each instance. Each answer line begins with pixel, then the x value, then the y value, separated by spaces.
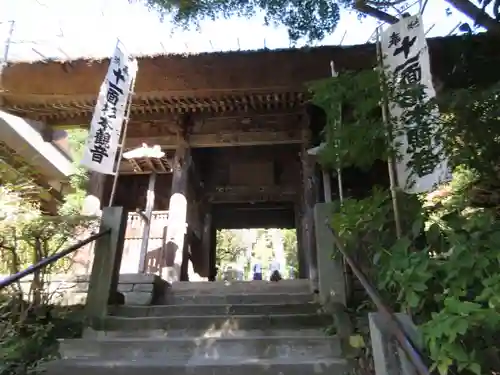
pixel 311 20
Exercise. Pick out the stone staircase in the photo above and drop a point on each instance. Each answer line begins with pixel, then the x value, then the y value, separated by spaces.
pixel 212 328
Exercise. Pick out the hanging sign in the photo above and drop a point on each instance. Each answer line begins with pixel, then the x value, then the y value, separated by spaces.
pixel 406 60
pixel 109 113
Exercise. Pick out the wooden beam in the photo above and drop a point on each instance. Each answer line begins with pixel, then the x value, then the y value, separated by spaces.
pixel 237 138
pixel 82 120
pixel 234 194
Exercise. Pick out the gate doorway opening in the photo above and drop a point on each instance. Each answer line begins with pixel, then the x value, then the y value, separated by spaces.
pixel 253 254
pixel 254 238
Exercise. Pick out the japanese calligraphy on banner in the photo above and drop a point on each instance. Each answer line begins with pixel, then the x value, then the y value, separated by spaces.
pixel 406 58
pixel 109 113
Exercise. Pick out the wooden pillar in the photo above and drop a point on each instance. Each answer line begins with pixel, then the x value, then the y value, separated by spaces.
pixel 301 256
pixel 213 252
pixel 83 258
pixel 95 194
pixel 177 212
pixel 186 251
pixel 309 200
pixel 206 240
pixel 148 212
pixel 327 185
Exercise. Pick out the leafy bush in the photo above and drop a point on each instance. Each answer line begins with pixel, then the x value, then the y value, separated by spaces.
pixel 30 323
pixel 28 334
pixel 443 270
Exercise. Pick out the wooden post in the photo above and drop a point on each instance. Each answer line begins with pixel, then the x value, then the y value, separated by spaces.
pixel 148 212
pixel 393 178
pixel 213 253
pixel 301 255
pixel 177 212
pixel 309 200
pixel 95 192
pixel 103 285
pixel 206 240
pixel 327 186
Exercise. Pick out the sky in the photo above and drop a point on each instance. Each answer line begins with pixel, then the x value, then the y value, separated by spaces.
pixel 62 29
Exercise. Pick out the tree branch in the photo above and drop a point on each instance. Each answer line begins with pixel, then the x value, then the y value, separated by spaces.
pixel 477 14
pixel 361 6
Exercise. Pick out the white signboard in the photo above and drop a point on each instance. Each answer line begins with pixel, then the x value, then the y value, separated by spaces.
pixel 406 58
pixel 106 126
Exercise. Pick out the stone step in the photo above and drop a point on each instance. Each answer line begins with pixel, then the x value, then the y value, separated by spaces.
pixel 217 322
pixel 219 367
pixel 210 310
pixel 202 333
pixel 240 287
pixel 174 298
pixel 202 350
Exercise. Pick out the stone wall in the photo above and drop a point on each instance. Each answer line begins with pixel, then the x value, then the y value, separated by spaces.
pixel 138 289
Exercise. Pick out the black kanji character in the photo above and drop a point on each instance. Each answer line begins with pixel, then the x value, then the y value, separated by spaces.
pixel 413 24
pixel 417 139
pixel 406 44
pixel 125 70
pixel 394 39
pixel 105 107
pixel 113 94
pixel 119 76
pixel 411 71
pixel 116 60
pixel 104 123
pixel 98 153
pixel 102 138
pixel 111 113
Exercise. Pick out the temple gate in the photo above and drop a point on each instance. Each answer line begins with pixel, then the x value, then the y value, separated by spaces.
pixel 235 128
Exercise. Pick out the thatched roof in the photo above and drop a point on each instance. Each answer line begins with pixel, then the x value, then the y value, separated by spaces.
pixel 64 92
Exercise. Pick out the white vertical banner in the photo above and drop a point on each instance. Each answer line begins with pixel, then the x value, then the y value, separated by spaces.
pixel 109 113
pixel 406 60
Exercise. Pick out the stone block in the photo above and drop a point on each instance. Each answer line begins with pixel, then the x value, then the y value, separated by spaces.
pixel 73 289
pixel 138 298
pixel 331 271
pixel 125 287
pixel 137 278
pixel 388 357
pixel 143 288
pixel 74 299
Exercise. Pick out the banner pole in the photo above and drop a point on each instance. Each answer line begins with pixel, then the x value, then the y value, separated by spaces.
pixel 122 143
pixel 385 119
pixel 339 122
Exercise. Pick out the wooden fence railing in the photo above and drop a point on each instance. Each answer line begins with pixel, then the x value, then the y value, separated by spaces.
pixel 133 239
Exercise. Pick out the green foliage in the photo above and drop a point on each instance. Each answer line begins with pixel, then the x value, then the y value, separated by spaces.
pixel 28 333
pixel 444 268
pixel 29 324
pixel 472 128
pixel 313 20
pixel 291 250
pixel 359 138
pixel 230 247
pixel 74 200
pixel 309 20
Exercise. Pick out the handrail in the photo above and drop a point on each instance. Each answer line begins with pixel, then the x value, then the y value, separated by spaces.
pixel 51 259
pixel 395 327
